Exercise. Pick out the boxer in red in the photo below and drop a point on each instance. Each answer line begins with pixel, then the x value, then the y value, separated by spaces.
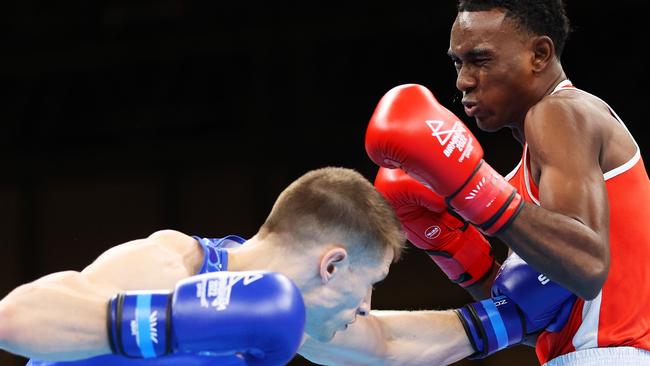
pixel 576 206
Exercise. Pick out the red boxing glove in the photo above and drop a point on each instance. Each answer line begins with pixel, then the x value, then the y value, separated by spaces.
pixel 411 130
pixel 460 251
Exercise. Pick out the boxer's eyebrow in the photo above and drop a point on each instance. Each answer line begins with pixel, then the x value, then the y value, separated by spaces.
pixel 471 54
pixel 477 52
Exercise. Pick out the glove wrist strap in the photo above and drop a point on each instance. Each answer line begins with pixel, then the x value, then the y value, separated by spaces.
pixel 139 324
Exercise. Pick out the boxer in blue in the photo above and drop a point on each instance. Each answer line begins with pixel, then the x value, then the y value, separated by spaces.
pixel 302 283
pixel 176 299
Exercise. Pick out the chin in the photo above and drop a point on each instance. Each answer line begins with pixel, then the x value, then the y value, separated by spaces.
pixel 332 335
pixel 486 125
pixel 323 335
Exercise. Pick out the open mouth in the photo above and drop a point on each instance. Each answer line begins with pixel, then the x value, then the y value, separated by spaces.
pixel 471 109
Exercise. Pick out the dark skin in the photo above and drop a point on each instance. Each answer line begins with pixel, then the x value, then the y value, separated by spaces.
pixel 506 76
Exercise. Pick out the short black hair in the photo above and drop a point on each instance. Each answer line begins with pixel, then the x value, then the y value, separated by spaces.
pixel 541 17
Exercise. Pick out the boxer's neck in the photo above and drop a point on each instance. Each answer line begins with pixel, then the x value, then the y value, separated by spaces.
pixel 272 253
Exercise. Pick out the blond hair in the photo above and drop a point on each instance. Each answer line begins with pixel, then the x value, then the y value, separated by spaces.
pixel 335 202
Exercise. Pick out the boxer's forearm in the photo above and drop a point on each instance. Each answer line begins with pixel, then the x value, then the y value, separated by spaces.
pixel 565 249
pixel 58 317
pixel 395 338
pixel 425 338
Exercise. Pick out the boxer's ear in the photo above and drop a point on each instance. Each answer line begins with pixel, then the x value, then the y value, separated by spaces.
pixel 332 261
pixel 543 52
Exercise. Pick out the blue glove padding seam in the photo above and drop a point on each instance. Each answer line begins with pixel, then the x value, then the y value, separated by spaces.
pixel 114 326
pixel 473 334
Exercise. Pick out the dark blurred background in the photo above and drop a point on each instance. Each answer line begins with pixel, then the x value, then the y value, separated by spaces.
pixel 121 118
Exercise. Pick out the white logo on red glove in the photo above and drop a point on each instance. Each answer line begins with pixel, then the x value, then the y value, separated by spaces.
pixel 474 192
pixel 460 139
pixel 432 232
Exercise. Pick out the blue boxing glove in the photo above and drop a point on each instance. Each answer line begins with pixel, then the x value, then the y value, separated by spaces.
pixel 523 302
pixel 257 315
pixel 177 359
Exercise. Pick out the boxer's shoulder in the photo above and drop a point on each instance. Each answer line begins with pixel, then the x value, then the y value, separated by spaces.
pixel 560 106
pixel 557 124
pixel 169 235
pixel 173 240
pixel 568 109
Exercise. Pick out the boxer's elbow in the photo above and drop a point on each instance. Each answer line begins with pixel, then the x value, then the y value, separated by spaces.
pixel 5 323
pixel 593 278
pixel 13 333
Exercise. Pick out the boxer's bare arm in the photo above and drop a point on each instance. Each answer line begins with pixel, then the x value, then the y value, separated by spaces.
pixel 394 338
pixel 62 316
pixel 157 262
pixel 567 236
